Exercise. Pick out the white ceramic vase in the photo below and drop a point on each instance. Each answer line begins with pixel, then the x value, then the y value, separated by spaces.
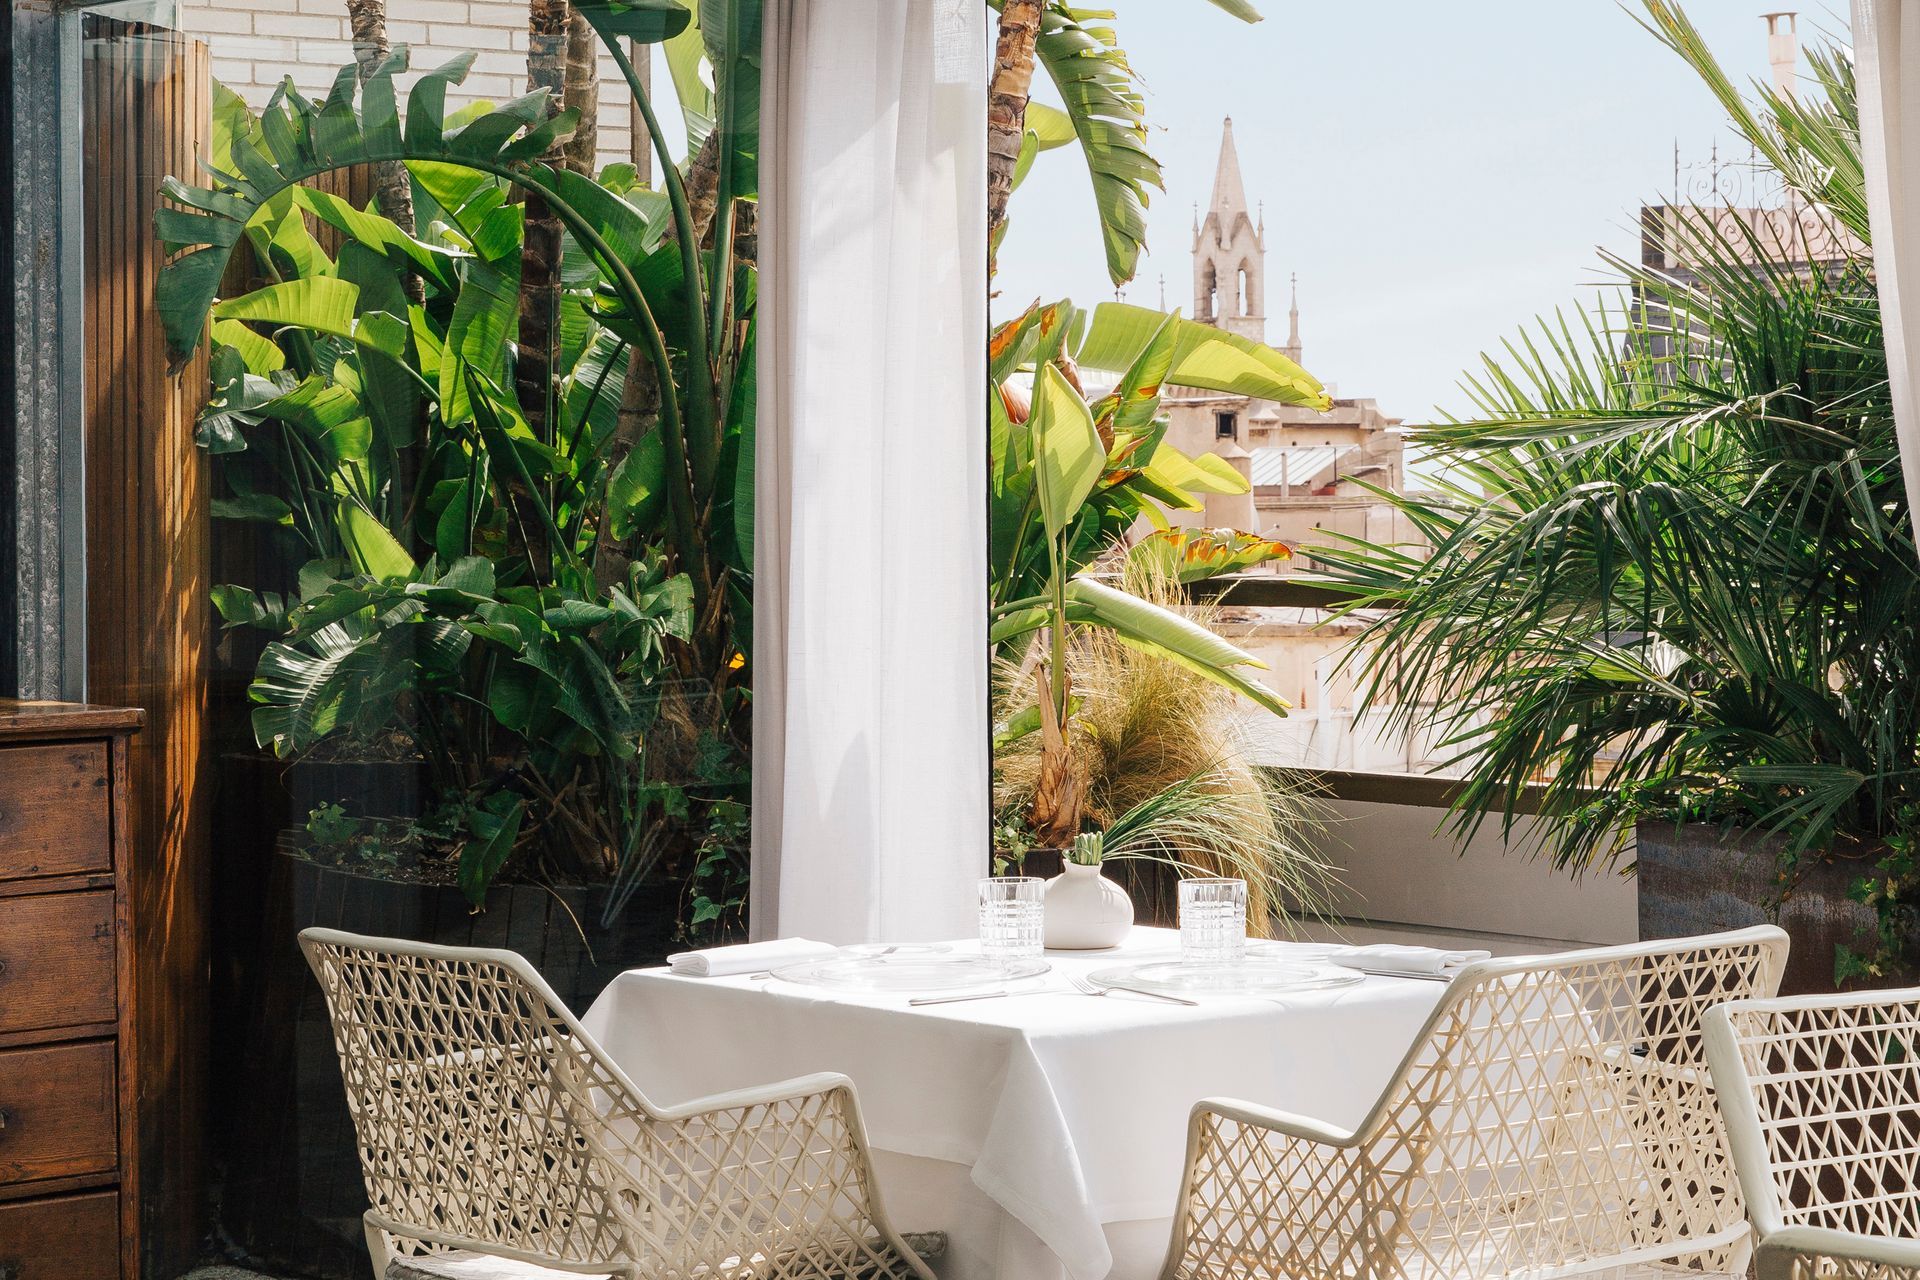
pixel 1085 910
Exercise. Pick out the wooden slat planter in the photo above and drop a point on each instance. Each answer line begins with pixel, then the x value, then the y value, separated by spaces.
pixel 146 106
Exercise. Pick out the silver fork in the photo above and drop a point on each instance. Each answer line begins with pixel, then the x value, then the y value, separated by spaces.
pixel 1086 986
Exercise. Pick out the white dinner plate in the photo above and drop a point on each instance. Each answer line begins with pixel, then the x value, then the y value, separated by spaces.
pixel 1257 975
pixel 909 972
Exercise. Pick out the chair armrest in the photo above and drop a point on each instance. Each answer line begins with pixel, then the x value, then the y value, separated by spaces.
pixel 1279 1195
pixel 1305 1128
pixel 778 1173
pixel 759 1095
pixel 1778 1252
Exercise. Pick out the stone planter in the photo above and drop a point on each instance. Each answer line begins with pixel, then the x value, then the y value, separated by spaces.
pixel 1695 878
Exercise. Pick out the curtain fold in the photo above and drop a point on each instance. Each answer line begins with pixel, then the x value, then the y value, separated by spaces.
pixel 870 722
pixel 1886 46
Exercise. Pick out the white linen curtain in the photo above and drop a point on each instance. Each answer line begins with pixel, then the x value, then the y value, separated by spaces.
pixel 1886 47
pixel 870 723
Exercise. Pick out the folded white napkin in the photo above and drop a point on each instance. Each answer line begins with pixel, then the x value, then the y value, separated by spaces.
pixel 747 957
pixel 1387 957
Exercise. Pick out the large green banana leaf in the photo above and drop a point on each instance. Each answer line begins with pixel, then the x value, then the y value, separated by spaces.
pixel 731 30
pixel 1106 111
pixel 1151 629
pixel 292 142
pixel 1104 104
pixel 1067 457
pixel 641 21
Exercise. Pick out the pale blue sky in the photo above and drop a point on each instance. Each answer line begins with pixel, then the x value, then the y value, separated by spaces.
pixel 1435 173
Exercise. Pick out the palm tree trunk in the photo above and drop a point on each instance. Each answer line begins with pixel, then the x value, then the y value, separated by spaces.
pixel 582 93
pixel 703 187
pixel 392 187
pixel 1007 95
pixel 547 40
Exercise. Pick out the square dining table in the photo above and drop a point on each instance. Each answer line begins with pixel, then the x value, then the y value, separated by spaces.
pixel 1044 1133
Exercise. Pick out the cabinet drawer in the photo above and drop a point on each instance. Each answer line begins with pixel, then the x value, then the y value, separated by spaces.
pixel 58 1108
pixel 63 1238
pixel 56 960
pixel 53 810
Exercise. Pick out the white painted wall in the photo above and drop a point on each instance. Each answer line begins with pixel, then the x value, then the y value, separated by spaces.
pixel 1409 880
pixel 257 43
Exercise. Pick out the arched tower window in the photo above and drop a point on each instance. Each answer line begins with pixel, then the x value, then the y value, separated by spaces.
pixel 1244 289
pixel 1209 293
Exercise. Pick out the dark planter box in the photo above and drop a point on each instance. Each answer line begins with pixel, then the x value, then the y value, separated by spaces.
pixel 291 1192
pixel 1696 878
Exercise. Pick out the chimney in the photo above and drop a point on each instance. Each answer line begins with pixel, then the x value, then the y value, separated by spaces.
pixel 1783 49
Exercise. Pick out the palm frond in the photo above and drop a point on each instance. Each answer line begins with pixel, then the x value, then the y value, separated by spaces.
pixel 1672 567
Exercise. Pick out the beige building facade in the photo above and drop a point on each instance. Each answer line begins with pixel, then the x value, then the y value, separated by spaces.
pixel 1312 476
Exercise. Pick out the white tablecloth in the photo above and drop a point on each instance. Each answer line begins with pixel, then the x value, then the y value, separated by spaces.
pixel 1044 1133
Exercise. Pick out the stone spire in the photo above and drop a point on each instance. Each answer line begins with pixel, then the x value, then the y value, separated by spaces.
pixel 1230 253
pixel 1229 195
pixel 1293 318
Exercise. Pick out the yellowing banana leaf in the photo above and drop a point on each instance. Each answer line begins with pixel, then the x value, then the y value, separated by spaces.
pixel 1029 150
pixel 1068 457
pixel 1207 473
pixel 1190 555
pixel 1027 721
pixel 1012 344
pixel 1204 356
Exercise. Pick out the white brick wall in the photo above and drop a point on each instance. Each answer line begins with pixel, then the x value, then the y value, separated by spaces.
pixel 255 43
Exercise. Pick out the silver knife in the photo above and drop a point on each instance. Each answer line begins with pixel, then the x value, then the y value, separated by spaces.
pixel 1157 995
pixel 974 995
pixel 1401 973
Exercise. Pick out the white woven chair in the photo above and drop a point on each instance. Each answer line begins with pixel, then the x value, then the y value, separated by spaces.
pixel 1822 1102
pixel 1553 1118
pixel 498 1140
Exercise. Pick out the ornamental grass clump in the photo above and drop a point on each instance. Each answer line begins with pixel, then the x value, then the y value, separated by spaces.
pixel 1162 761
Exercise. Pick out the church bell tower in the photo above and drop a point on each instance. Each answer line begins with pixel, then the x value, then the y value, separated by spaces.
pixel 1230 254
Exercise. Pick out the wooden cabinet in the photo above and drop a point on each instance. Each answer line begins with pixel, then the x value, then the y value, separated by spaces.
pixel 73 1237
pixel 68 1195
